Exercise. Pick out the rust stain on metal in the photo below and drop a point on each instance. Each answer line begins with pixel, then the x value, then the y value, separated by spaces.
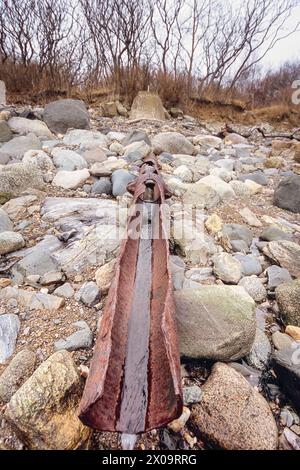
pixel 134 384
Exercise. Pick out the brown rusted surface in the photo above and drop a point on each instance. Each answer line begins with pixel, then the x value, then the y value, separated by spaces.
pixel 134 383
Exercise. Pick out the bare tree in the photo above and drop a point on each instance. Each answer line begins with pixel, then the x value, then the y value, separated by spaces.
pixel 129 44
pixel 197 28
pixel 18 24
pixel 241 38
pixel 164 20
pixel 264 28
pixel 118 31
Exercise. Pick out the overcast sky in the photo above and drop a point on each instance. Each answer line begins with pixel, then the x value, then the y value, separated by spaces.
pixel 287 49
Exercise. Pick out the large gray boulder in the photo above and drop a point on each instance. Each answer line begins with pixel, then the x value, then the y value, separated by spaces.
pixel 215 323
pixel 277 276
pixel 102 186
pixel 62 115
pixel 257 176
pixel 89 294
pixel 287 195
pixel 250 264
pixel 260 352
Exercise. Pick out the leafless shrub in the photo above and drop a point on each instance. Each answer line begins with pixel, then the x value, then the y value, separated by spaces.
pixel 181 48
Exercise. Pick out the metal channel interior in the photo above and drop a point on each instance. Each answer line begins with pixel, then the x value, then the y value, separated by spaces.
pixel 131 386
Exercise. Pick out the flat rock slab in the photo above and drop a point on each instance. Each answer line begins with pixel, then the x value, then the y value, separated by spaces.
pixel 100 225
pixel 215 322
pixel 44 410
pixel 85 210
pixel 232 415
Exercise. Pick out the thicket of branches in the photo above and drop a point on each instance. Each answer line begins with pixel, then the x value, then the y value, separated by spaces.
pixel 181 48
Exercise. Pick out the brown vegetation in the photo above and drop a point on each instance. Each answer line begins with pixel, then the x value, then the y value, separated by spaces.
pixel 196 53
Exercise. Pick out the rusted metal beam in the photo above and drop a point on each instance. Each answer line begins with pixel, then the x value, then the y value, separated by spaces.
pixel 134 384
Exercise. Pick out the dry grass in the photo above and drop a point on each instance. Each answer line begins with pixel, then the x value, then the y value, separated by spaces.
pixel 278 114
pixel 30 85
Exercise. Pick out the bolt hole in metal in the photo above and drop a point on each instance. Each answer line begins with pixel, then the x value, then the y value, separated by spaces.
pixel 149 191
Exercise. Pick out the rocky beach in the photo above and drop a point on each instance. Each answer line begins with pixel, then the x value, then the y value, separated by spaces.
pixel 64 169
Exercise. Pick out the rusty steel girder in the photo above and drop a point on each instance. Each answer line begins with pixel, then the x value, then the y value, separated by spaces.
pixel 134 383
